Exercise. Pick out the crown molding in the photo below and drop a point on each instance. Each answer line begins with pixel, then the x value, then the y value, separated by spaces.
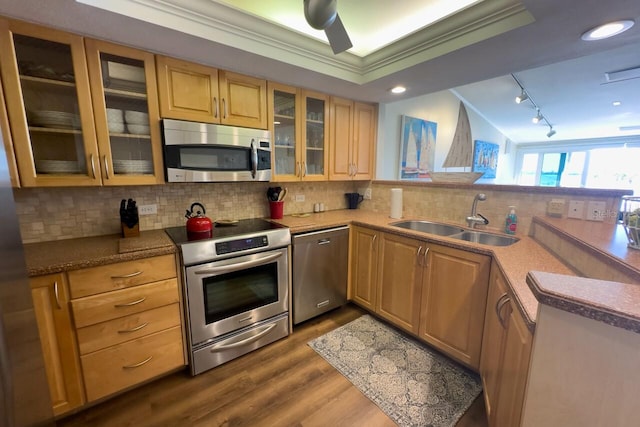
pixel 225 25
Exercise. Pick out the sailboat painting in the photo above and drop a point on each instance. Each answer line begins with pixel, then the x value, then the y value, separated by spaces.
pixel 417 148
pixel 459 155
pixel 485 158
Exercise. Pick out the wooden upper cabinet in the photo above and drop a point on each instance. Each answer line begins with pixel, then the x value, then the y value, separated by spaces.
pixel 454 299
pixel 199 93
pixel 50 296
pixel 126 111
pixel 8 142
pixel 244 100
pixel 298 121
pixel 352 138
pixel 187 91
pixel 46 85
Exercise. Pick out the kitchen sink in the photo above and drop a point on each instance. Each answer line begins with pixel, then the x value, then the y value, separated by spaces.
pixel 485 238
pixel 429 227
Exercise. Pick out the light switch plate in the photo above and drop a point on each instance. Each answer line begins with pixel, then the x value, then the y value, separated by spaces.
pixel 555 208
pixel 576 209
pixel 595 210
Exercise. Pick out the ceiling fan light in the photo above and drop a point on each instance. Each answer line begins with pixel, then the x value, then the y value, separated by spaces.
pixel 607 30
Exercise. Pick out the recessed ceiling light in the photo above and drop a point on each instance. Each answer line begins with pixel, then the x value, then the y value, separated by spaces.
pixel 608 30
pixel 398 89
pixel 616 103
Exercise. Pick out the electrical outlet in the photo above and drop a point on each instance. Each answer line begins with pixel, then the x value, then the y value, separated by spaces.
pixel 298 198
pixel 595 210
pixel 148 209
pixel 555 208
pixel 576 209
pixel 366 193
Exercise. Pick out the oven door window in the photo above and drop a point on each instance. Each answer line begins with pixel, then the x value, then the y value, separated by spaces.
pixel 233 293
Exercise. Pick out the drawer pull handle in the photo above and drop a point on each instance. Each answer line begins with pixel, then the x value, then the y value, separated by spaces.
pixel 57 295
pixel 126 276
pixel 129 304
pixel 137 365
pixel 134 329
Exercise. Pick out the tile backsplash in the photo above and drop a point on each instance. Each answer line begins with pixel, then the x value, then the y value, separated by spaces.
pixel 65 213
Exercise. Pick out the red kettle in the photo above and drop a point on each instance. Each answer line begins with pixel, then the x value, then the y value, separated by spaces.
pixel 197 223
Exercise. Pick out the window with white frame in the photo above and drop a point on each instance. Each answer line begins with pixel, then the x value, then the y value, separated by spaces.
pixel 612 166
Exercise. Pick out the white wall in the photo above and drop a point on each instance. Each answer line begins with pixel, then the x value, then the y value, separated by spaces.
pixel 441 108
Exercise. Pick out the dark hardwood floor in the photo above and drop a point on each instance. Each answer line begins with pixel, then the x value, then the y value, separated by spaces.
pixel 283 384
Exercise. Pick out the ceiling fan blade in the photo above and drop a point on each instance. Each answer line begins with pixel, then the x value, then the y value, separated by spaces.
pixel 338 37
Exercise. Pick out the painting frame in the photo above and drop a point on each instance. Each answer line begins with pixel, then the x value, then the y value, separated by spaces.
pixel 417 148
pixel 485 158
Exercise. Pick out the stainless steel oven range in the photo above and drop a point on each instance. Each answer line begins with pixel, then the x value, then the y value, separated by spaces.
pixel 236 289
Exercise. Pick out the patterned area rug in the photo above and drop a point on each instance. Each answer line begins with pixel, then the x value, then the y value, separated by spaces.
pixel 412 384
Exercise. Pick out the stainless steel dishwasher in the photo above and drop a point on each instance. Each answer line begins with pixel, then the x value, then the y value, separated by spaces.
pixel 320 261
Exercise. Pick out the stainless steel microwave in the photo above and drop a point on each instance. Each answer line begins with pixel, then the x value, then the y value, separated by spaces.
pixel 203 152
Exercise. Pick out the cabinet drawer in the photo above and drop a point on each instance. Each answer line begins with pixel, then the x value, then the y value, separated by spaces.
pixel 90 281
pixel 116 368
pixel 117 331
pixel 112 305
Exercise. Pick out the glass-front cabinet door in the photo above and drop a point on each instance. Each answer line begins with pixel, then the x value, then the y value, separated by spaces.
pixel 285 132
pixel 49 104
pixel 125 107
pixel 314 135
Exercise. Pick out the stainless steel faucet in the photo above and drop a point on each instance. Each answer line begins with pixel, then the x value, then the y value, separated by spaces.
pixel 476 218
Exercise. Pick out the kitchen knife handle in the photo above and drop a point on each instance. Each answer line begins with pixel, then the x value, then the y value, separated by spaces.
pixel 93 166
pixel 106 166
pixel 215 104
pixel 129 304
pixel 57 295
pixel 126 276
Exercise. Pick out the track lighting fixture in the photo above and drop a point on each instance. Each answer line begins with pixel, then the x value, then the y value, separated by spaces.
pixel 522 97
pixel 538 118
pixel 551 132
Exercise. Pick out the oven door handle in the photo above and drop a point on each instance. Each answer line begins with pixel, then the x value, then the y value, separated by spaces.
pixel 239 266
pixel 241 343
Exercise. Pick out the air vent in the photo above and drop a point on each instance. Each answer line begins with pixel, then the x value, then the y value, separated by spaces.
pixel 616 76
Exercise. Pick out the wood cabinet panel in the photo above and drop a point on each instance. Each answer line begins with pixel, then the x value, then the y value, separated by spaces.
pixel 111 305
pixel 244 100
pixel 8 142
pixel 340 139
pixel 94 280
pixel 364 263
pixel 117 331
pixel 399 281
pixel 364 139
pixel 187 91
pixel 454 302
pixel 121 366
pixel 50 296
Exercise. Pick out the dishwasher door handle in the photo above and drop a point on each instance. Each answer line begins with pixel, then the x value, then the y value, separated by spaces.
pixel 324 241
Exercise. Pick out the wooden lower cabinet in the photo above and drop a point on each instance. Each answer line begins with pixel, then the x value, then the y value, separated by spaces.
pixel 435 292
pixel 50 296
pixel 454 298
pixel 399 281
pixel 506 351
pixel 364 261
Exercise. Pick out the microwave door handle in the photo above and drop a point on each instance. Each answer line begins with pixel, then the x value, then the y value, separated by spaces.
pixel 239 266
pixel 254 159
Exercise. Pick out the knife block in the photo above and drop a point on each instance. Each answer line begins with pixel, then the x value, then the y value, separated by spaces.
pixel 130 232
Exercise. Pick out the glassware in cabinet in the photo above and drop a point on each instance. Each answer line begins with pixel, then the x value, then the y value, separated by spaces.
pixel 315 132
pixel 284 136
pixel 49 105
pixel 127 113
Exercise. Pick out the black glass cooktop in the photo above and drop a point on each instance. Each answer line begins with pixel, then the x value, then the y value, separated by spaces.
pixel 238 229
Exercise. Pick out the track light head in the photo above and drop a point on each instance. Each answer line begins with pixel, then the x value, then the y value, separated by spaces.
pixel 538 118
pixel 551 132
pixel 522 97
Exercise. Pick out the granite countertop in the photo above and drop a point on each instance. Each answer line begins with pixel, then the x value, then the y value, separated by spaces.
pixel 515 261
pixel 71 254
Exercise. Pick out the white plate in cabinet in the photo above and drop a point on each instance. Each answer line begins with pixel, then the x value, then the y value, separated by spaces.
pixel 105 334
pixel 94 280
pixel 118 367
pixel 112 305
